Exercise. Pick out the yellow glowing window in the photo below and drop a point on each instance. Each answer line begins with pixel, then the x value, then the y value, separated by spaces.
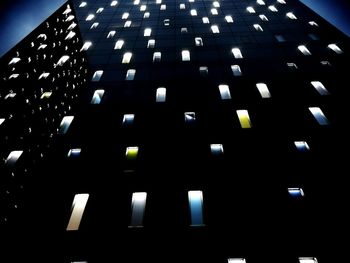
pixel 131 152
pixel 244 119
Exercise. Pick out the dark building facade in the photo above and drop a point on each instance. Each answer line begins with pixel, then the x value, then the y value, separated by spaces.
pixel 209 131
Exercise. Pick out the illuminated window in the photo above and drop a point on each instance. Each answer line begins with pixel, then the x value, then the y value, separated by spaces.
pixel 190 117
pixel 195 200
pixel 99 10
pixel 215 29
pixel 97 97
pixel 280 38
pixel 12 158
pixel 72 26
pixel 74 153
pixel 182 6
pixel 296 192
pixel 166 22
pixel 136 2
pixel 308 260
pixel 131 152
pixel 90 17
pixel 86 46
pixel 119 44
pixel 264 91
pixel 127 23
pixel 143 8
pixel 229 19
pixel 236 260
pixel 146 15
pixel 191 1
pixel 303 49
pixel 263 18
pixel 14 61
pixel 185 55
pixel 183 30
pixel 319 115
pixel 163 7
pixel 237 53
pixel 158 2
pixel 250 9
pixel 205 20
pixel 203 71
pixel 130 74
pixel 214 11
pixel 97 75
pixel 290 15
pixel 111 34
pixel 127 57
pixel 114 3
pixel 161 94
pixel 94 25
pixel 128 119
pixel 138 204
pixel 43 46
pixel 2 120
pixel 292 65
pixel 78 208
pixel 46 95
pixel 125 15
pixel 147 32
pixel 281 2
pixel 62 60
pixel 321 89
pixel 198 41
pixel 325 63
pixel 244 119
pixel 273 8
pixel 193 12
pixel 44 75
pixel 151 43
pixel 82 4
pixel 65 124
pixel 216 149
pixel 313 23
pixel 236 70
pixel 257 27
pixel 157 56
pixel 260 2
pixel 14 76
pixel 224 92
pixel 70 35
pixel 216 4
pixel 335 48
pixel 302 146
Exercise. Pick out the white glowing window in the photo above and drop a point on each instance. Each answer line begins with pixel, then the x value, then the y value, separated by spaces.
pixel 127 23
pixel 146 15
pixel 161 94
pixel 2 120
pixel 151 43
pixel 43 46
pixel 163 7
pixel 260 2
pixel 130 74
pixel 214 11
pixel 128 119
pixel 198 41
pixel 313 23
pixel 10 95
pixel 325 63
pixel 281 2
pixel 273 8
pixel 308 260
pixel 203 71
pixel 111 34
pixel 70 35
pixel 125 15
pixel 236 53
pixel 191 1
pixel 166 22
pixel 143 8
pixel 131 152
pixel 263 18
pixel 138 205
pixel 302 146
pixel 157 56
pixel 185 54
pixel 184 30
pixel 229 19
pixel 82 4
pixel 193 12
pixel 114 3
pixel 97 97
pixel 190 117
pixel 119 44
pixel 290 15
pixel 62 60
pixel 303 49
pixel 94 25
pixel 90 17
pixel 236 70
pixel 319 115
pixel 69 18
pixel 43 36
pixel 74 152
pixel 46 95
pixel 97 75
pixel 335 48
pixel 215 29
pixel 205 20
pixel 86 46
pixel 158 2
pixel 321 89
pixel 250 9
pixel 264 91
pixel 99 10
pixel 13 157
pixel 14 61
pixel 44 75
pixel 195 200
pixel 147 32
pixel 292 65
pixel 280 38
pixel 216 4
pixel 244 119
pixel 136 2
pixel 257 27
pixel 127 57
pixel 224 92
pixel 236 260
pixel 182 6
pixel 65 124
pixel 78 207
pixel 13 76
pixel 216 149
pixel 296 192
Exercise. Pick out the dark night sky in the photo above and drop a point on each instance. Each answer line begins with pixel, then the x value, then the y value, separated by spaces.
pixel 20 17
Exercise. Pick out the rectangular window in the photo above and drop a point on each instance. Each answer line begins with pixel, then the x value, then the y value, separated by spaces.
pixel 214 11
pixel 308 260
pixel 14 61
pixel 127 57
pixel 260 2
pixel 90 17
pixel 335 48
pixel 319 115
pixel 281 2
pixel 70 35
pixel 157 56
pixel 99 10
pixel 237 53
pixel 182 6
pixel 195 200
pixel 250 10
pixel 147 32
pixel 184 30
pixel 321 89
pixel 82 4
pixel 224 92
pixel 205 20
pixel 138 205
pixel 263 18
pixel 114 3
pixel 290 15
pixel 264 91
pixel 158 2
pixel 185 54
pixel 151 43
pixel 244 119
pixel 143 8
pixel 280 38
pixel 216 149
pixel 203 71
pixel 198 41
pixel 78 208
pixel 136 2
pixel 216 4
pixel 163 7
pixel 292 65
pixel 166 22
pixel 111 34
pixel 131 152
pixel 127 23
pixel 74 153
pixel 229 19
pixel 94 25
pixel 193 12
pixel 13 157
pixel 302 146
pixel 128 119
pixel 296 192
pixel 97 97
pixel 313 23
pixel 236 70
pixel 236 260
pixel 119 44
pixel 130 74
pixel 303 49
pixel 65 124
pixel 125 15
pixel 273 8
pixel 215 29
pixel 190 117
pixel 2 120
pixel 257 27
pixel 161 94
pixel 97 75
pixel 146 15
pixel 86 46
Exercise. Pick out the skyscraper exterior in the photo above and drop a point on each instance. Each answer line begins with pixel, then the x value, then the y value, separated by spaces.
pixel 208 131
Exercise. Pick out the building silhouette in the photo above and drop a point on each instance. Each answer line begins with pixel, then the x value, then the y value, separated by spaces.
pixel 203 131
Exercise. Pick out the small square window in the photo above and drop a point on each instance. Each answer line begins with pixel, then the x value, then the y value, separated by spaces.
pixel 302 146
pixel 257 27
pixel 224 92
pixel 127 57
pixel 229 19
pixel 182 6
pixel 190 117
pixel 119 44
pixel 193 12
pixel 97 97
pixel 214 11
pixel 130 74
pixel 237 53
pixel 111 34
pixel 280 38
pixel 97 75
pixel 151 43
pixel 198 41
pixel 161 94
pixel 166 22
pixel 215 29
pixel 128 119
pixel 205 20
pixel 157 56
pixel 185 54
pixel 236 70
pixel 131 152
pixel 203 71
pixel 146 15
pixel 125 15
pixel 147 32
